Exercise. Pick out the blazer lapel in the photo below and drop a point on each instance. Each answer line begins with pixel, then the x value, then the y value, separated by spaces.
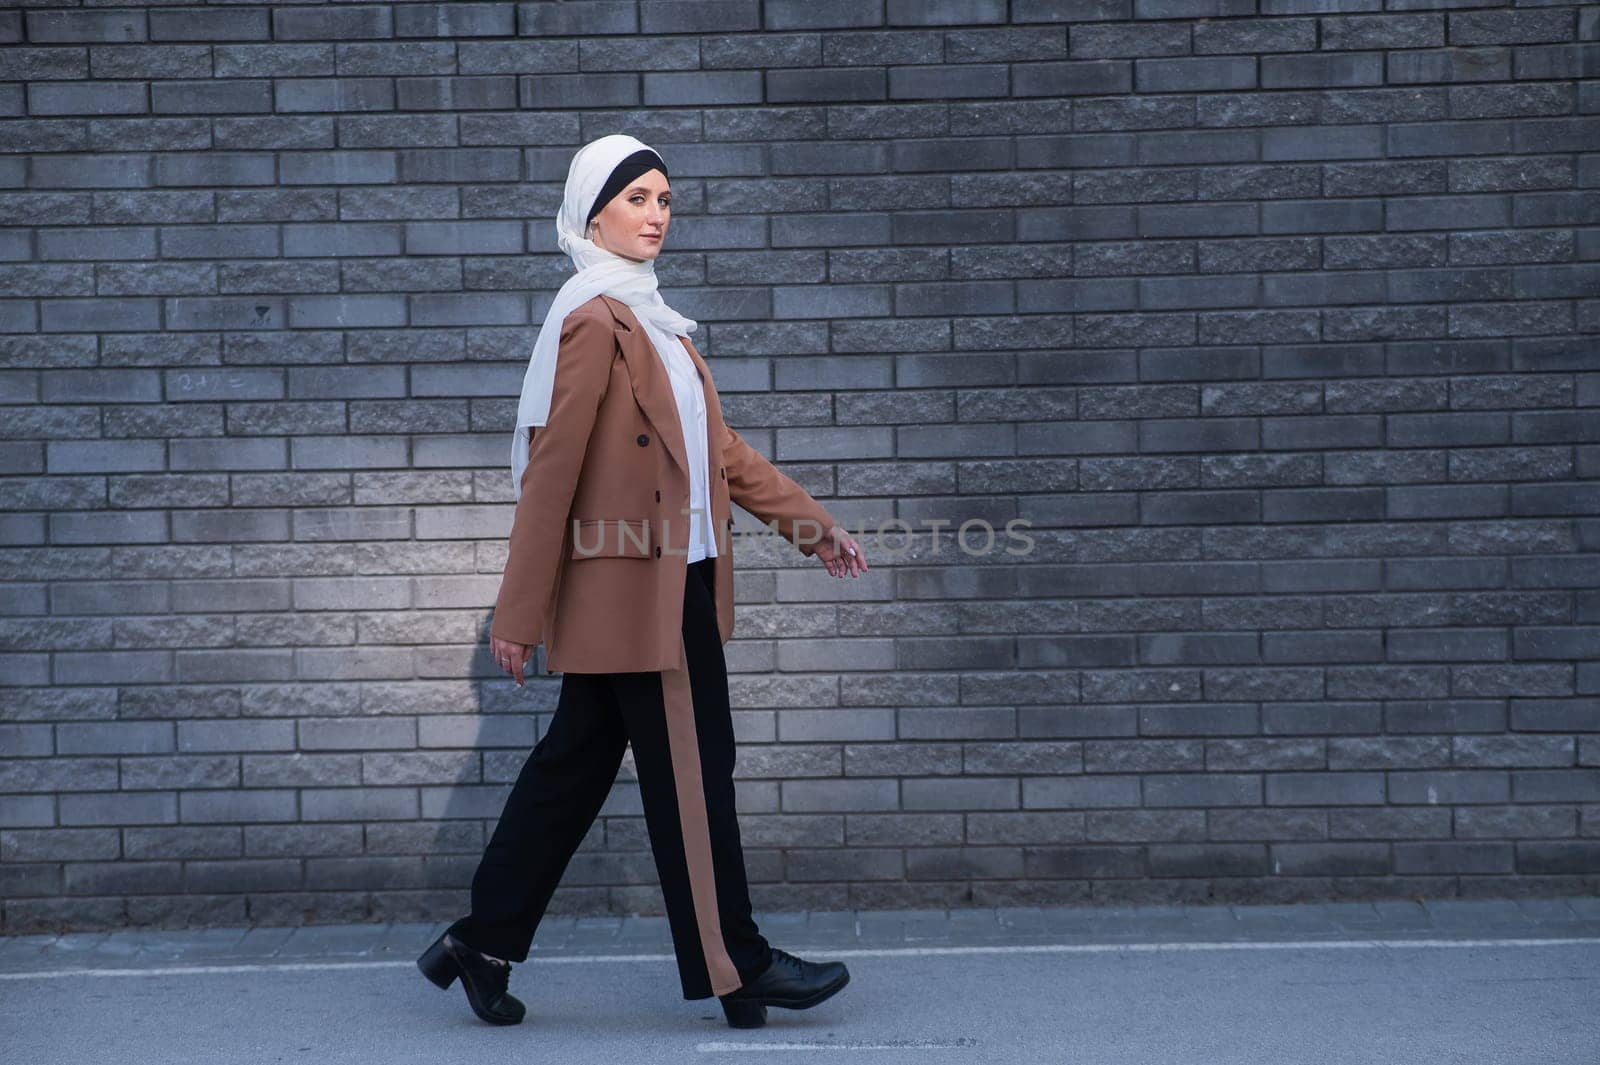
pixel 652 388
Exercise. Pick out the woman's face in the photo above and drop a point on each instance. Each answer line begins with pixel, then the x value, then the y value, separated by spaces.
pixel 634 223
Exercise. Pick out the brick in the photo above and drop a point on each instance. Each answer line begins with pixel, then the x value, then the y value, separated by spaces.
pixel 338 168
pixel 702 87
pixel 152 61
pixel 356 733
pixel 595 17
pixel 211 97
pixel 352 311
pixel 180 772
pixel 215 168
pixel 720 16
pixel 1509 27
pixel 456 20
pixel 1326 71
pixel 59 844
pixel 560 91
pixel 237 806
pixel 99 315
pixel 107 98
pixel 205 736
pixel 200 24
pixel 121 808
pixel 27 811
pixel 358 804
pixel 347 23
pixel 1198 74
pixel 792 86
pixel 849 863
pixel 802 796
pixel 106 27
pixel 820 725
pixel 120 737
pixel 962 794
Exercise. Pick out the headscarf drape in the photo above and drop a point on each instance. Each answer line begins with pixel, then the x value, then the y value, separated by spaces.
pixel 598 270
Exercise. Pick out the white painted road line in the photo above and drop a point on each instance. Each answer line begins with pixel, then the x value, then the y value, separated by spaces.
pixel 897 1044
pixel 864 952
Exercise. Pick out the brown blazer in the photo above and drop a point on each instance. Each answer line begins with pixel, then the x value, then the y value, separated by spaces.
pixel 609 467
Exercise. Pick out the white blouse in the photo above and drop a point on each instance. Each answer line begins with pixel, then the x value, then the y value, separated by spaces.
pixel 689 392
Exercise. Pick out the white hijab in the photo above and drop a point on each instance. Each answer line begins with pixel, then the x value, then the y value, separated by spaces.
pixel 598 270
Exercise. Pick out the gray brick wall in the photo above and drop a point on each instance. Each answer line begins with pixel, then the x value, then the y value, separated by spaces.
pixel 1274 319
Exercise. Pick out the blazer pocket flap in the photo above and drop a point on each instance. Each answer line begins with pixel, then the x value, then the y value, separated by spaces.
pixel 611 538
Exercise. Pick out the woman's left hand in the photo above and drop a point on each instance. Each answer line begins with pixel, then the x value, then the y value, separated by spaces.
pixel 840 554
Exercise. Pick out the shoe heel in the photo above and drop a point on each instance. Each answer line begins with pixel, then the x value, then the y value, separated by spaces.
pixel 438 965
pixel 745 1013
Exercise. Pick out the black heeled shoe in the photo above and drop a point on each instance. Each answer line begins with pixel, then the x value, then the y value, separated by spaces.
pixel 789 982
pixel 484 981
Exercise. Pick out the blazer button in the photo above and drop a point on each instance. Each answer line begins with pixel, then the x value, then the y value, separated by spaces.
pixel 658 550
pixel 642 440
pixel 658 495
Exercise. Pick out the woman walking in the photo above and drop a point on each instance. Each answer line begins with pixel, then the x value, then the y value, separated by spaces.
pixel 620 563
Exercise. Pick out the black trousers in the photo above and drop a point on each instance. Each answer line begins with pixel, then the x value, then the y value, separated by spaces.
pixel 679 725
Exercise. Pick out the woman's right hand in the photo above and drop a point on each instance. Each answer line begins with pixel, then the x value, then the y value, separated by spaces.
pixel 510 657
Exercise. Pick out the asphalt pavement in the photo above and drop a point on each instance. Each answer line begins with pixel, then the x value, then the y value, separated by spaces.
pixel 1386 981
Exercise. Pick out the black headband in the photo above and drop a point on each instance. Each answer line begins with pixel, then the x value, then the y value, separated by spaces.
pixel 640 162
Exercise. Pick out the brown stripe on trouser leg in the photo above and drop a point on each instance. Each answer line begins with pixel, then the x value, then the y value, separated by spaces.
pixel 680 725
pixel 708 680
pixel 684 746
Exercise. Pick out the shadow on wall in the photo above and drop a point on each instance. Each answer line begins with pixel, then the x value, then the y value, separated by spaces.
pixel 494 742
